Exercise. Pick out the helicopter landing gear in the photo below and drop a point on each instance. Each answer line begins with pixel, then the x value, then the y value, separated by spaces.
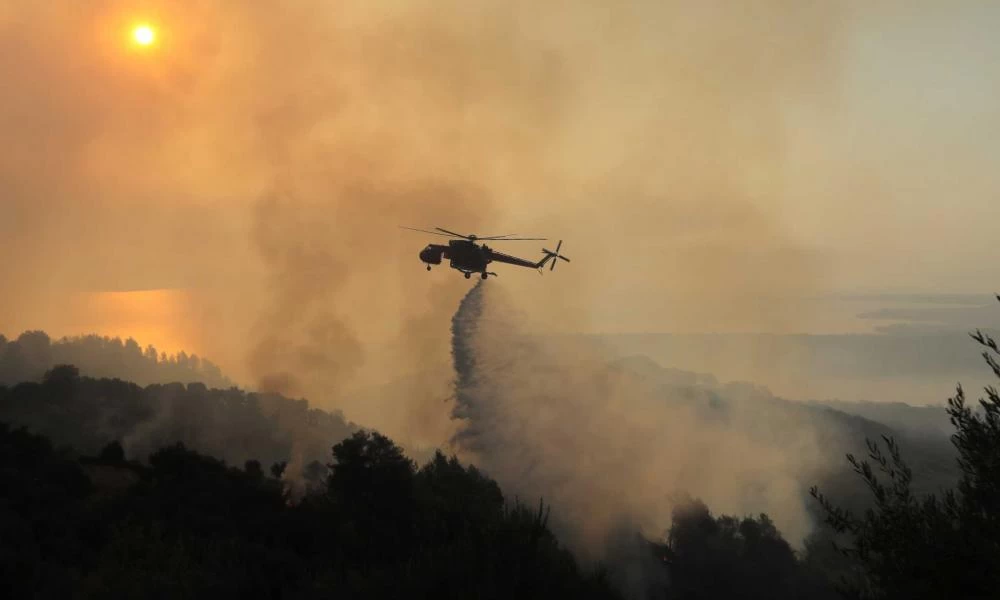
pixel 428 267
pixel 468 275
pixel 484 275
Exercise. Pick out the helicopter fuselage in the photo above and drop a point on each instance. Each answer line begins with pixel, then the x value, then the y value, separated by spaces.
pixel 462 255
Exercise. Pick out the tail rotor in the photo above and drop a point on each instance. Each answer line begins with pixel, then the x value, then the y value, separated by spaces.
pixel 553 256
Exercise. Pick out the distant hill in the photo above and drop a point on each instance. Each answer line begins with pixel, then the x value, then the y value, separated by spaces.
pixel 777 422
pixel 915 363
pixel 88 413
pixel 917 420
pixel 146 400
pixel 947 352
pixel 840 427
pixel 29 356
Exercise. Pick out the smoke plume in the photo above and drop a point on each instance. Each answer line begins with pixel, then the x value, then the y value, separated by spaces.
pixel 248 172
pixel 609 447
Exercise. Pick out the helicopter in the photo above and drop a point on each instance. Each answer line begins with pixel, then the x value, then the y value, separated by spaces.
pixel 469 257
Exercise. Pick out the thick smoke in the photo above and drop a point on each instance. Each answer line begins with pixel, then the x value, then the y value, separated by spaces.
pixel 255 152
pixel 607 446
pixel 254 164
pixel 300 335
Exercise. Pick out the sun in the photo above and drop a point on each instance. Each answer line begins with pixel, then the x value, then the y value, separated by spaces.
pixel 144 35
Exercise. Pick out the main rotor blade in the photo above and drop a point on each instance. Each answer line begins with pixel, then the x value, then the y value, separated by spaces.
pixel 496 239
pixel 452 233
pixel 424 231
pixel 564 258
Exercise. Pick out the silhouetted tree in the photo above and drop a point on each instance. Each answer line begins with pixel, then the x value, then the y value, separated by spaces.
pixel 252 467
pixel 188 525
pixel 371 483
pixel 931 547
pixel 729 557
pixel 61 373
pixel 113 453
pixel 461 501
pixel 41 516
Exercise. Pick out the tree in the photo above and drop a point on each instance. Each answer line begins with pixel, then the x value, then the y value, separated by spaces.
pixel 931 547
pixel 253 468
pixel 60 380
pixel 113 453
pixel 731 557
pixel 61 374
pixel 462 500
pixel 371 462
pixel 371 484
pixel 37 349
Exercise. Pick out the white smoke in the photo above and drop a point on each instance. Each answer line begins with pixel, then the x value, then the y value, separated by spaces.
pixel 608 446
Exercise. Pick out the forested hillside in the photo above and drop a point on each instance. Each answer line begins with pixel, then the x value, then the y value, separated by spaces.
pixel 87 413
pixel 188 525
pixel 27 357
pixel 112 489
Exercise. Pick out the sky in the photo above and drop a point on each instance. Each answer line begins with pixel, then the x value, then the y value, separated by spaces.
pixel 234 189
pixel 905 161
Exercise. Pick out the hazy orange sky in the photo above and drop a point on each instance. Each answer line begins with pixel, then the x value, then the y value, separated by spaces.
pixel 709 165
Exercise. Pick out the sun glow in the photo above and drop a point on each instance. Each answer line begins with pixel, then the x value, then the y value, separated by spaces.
pixel 144 35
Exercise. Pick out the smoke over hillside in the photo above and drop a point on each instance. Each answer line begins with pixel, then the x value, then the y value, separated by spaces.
pixel 614 443
pixel 86 414
pixel 603 445
pixel 261 159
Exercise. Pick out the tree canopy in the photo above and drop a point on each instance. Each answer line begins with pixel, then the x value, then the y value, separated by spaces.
pixel 190 525
pixel 939 545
